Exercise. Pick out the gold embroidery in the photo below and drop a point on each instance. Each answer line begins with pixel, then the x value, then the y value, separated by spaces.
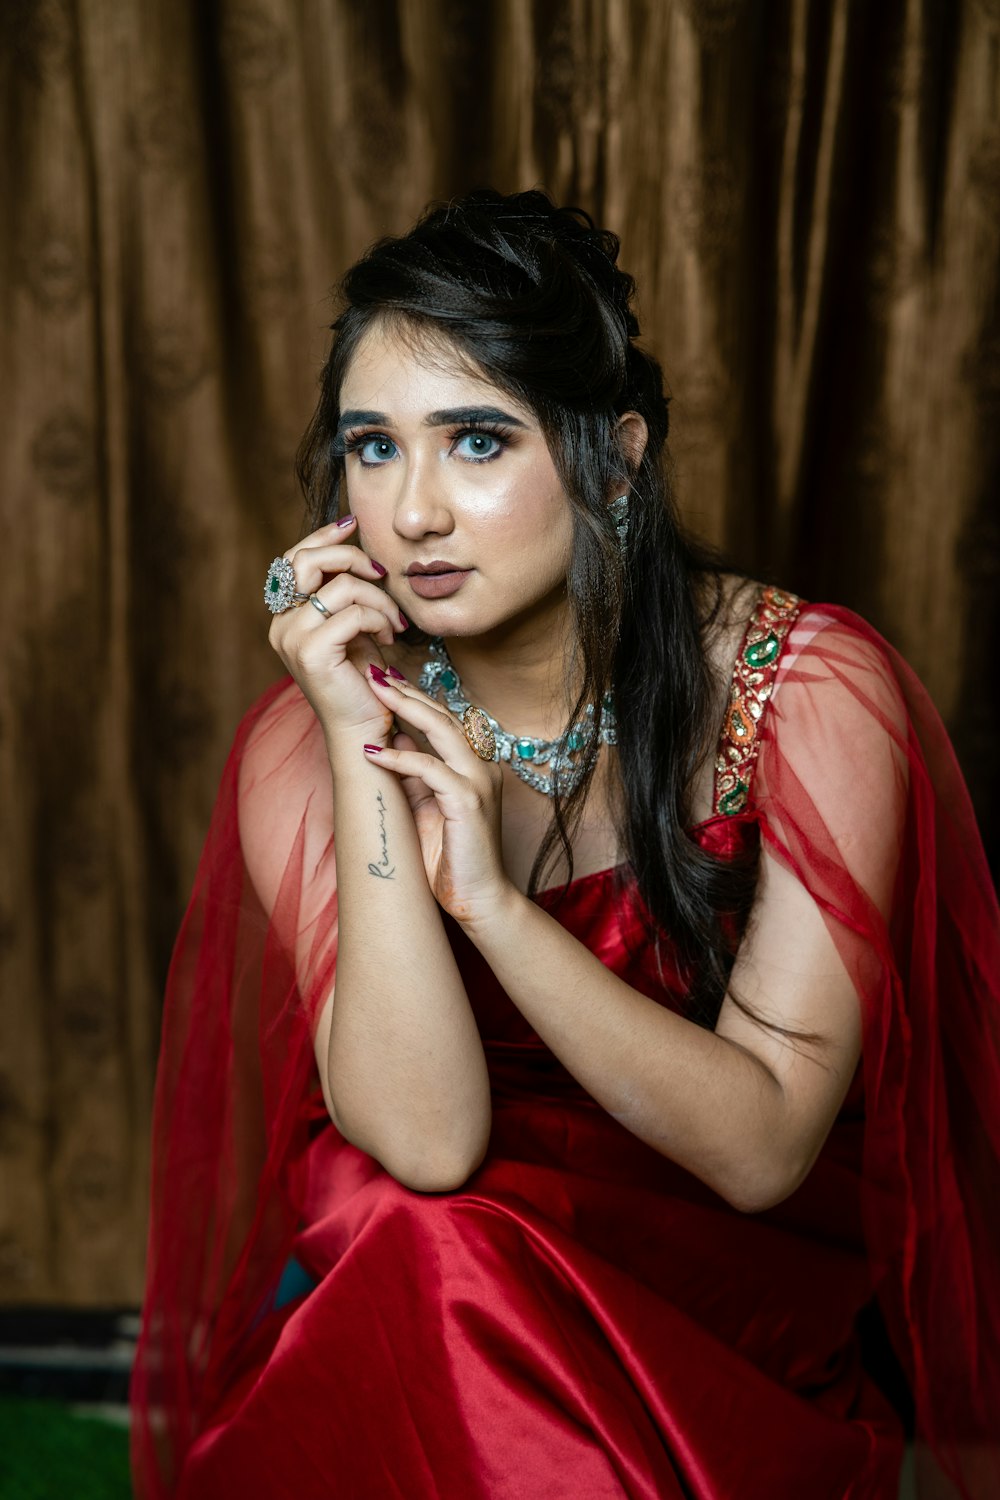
pixel 753 678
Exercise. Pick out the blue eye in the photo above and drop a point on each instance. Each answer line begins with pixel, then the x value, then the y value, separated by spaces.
pixel 479 446
pixel 476 445
pixel 375 451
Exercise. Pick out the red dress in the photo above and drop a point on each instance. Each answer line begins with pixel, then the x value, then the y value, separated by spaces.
pixel 585 1318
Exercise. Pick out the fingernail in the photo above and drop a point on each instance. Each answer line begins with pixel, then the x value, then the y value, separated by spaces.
pixel 406 623
pixel 398 675
pixel 378 567
pixel 345 520
pixel 374 749
pixel 378 675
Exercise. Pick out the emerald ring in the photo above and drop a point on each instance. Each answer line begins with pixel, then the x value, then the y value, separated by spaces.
pixel 280 591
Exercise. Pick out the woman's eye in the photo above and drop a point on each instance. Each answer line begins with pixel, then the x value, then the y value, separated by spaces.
pixel 376 450
pixel 478 445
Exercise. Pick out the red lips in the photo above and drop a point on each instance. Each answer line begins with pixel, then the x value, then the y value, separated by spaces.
pixel 437 566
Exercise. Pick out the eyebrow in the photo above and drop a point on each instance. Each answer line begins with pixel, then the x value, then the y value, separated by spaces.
pixel 449 416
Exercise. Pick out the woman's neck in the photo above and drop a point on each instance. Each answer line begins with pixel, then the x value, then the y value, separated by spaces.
pixel 519 674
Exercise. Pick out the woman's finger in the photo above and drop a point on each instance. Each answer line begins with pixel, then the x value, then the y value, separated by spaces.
pixel 418 793
pixel 332 532
pixel 443 731
pixel 414 694
pixel 346 589
pixel 311 564
pixel 442 779
pixel 337 597
pixel 340 629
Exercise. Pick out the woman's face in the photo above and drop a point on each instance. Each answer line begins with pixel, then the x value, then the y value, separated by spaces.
pixel 445 469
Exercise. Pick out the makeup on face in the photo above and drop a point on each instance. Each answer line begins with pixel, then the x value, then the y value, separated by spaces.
pixel 455 490
pixel 437 585
pixel 358 431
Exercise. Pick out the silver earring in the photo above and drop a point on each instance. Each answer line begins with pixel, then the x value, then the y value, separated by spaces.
pixel 619 514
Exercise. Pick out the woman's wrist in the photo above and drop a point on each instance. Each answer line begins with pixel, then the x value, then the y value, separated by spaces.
pixel 345 743
pixel 491 918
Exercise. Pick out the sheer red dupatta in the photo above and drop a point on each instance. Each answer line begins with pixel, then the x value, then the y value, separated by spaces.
pixel 236 1084
pixel 860 796
pixel 857 793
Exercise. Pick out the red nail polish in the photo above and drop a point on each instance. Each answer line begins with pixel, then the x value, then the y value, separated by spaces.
pixel 398 675
pixel 378 567
pixel 378 675
pixel 374 749
pixel 345 520
pixel 406 623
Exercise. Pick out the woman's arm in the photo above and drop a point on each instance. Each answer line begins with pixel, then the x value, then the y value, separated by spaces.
pixel 402 1055
pixel 739 1107
pixel 404 1075
pixel 743 1108
pixel 398 1051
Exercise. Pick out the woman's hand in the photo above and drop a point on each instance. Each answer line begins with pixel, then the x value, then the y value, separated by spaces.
pixel 455 800
pixel 328 654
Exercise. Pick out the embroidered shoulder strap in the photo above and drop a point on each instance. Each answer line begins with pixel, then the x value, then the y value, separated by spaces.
pixel 753 678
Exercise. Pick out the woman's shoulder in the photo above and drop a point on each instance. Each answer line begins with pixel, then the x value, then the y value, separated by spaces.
pixel 830 644
pixel 785 663
pixel 744 612
pixel 837 698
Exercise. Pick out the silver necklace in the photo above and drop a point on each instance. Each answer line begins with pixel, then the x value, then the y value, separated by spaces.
pixel 522 753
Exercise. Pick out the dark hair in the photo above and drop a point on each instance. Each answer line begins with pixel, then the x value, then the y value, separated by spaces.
pixel 532 296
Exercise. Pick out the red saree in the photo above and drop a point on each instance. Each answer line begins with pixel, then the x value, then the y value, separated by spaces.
pixel 584 1318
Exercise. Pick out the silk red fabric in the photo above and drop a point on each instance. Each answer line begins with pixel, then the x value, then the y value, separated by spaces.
pixel 584 1317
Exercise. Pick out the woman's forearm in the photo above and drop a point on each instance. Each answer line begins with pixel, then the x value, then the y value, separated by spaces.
pixel 700 1099
pixel 406 1070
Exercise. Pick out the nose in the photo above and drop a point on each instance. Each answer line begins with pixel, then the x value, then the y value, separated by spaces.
pixel 421 507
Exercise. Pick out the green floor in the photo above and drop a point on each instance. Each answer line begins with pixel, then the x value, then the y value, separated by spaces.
pixel 50 1451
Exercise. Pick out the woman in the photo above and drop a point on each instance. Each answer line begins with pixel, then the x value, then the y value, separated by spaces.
pixel 639 1047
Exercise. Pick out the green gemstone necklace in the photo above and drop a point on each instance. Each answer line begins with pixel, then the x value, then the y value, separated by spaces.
pixel 523 754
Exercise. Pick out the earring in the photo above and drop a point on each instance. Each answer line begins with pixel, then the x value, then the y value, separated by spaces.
pixel 619 514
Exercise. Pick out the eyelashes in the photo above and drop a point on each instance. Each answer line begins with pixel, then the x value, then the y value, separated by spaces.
pixel 355 442
pixel 358 441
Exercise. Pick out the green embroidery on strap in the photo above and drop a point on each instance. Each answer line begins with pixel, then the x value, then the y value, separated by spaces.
pixel 735 800
pixel 762 653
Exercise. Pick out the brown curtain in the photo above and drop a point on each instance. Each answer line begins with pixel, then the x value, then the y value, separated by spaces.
pixel 809 194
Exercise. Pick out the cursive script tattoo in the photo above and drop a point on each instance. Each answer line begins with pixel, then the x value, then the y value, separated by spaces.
pixel 382 870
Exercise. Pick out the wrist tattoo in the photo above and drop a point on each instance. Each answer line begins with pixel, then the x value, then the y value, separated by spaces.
pixel 381 869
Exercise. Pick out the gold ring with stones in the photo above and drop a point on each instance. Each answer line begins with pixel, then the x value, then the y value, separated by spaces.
pixel 479 733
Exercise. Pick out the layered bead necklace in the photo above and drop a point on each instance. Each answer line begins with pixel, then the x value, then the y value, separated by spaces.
pixel 524 755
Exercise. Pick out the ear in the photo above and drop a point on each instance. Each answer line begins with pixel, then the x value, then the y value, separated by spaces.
pixel 631 435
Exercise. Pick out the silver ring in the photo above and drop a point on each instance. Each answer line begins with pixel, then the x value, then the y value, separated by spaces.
pixel 317 603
